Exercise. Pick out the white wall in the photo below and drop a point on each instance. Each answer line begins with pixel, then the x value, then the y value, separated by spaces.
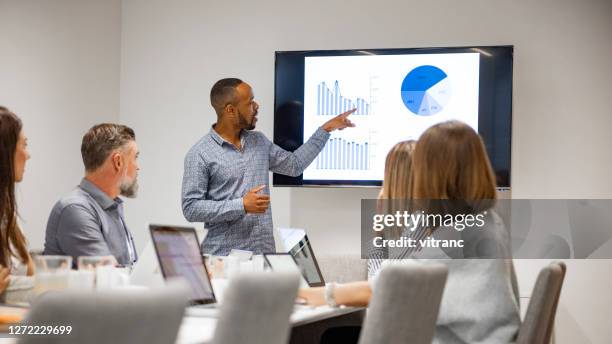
pixel 173 52
pixel 59 66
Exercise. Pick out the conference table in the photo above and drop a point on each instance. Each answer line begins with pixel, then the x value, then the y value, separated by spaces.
pixel 307 323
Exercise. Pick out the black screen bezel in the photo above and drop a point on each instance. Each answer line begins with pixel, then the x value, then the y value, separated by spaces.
pixel 314 259
pixel 494 105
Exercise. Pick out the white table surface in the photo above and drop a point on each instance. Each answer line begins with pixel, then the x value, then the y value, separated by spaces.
pixel 200 329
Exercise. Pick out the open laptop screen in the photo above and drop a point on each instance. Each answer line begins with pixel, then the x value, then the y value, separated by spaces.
pixel 305 258
pixel 284 262
pixel 179 255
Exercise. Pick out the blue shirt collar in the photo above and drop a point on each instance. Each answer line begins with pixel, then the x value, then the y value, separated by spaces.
pixel 215 136
pixel 219 140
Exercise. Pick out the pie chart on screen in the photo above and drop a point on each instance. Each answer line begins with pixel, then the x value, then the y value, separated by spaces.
pixel 426 90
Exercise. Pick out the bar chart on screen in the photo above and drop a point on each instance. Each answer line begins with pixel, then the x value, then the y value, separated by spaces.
pixel 342 154
pixel 351 152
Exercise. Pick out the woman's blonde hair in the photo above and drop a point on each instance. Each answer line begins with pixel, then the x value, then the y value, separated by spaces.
pixel 450 163
pixel 397 171
pixel 394 192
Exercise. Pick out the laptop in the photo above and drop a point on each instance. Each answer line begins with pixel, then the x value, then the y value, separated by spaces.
pixel 146 271
pixel 179 256
pixel 304 256
pixel 284 262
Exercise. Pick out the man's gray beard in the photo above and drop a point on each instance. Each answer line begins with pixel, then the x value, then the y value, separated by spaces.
pixel 129 190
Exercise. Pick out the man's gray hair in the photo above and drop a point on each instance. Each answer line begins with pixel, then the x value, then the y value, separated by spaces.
pixel 101 140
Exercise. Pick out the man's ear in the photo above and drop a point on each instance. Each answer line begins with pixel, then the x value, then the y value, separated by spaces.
pixel 117 161
pixel 230 109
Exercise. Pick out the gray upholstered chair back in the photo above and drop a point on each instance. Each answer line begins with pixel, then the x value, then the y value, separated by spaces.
pixel 540 317
pixel 118 317
pixel 405 304
pixel 343 268
pixel 256 309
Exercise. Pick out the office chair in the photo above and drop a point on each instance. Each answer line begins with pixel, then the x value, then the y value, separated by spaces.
pixel 537 327
pixel 256 309
pixel 404 291
pixel 118 317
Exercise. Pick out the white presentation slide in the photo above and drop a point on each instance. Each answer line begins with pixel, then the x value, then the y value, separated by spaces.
pixel 397 98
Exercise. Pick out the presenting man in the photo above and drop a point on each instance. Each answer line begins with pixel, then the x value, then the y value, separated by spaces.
pixel 89 221
pixel 225 182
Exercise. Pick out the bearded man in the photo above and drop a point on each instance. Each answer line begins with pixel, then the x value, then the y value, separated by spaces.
pixel 90 220
pixel 225 180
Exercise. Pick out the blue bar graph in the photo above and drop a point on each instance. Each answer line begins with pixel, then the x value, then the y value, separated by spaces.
pixel 333 103
pixel 340 154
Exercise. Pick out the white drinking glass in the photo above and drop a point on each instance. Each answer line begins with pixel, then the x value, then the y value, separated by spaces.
pixel 52 273
pixel 88 275
pixel 92 262
pixel 81 279
pixel 258 263
pixel 231 266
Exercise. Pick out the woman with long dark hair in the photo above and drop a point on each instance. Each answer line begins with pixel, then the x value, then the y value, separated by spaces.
pixel 14 257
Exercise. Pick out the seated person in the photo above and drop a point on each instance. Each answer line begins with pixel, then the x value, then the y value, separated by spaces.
pixel 90 221
pixel 394 190
pixel 16 266
pixel 479 304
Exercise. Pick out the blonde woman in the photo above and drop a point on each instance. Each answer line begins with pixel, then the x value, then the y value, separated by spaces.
pixel 394 190
pixel 397 171
pixel 478 305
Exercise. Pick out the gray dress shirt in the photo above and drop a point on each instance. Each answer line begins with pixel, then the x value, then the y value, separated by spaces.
pixel 217 175
pixel 88 222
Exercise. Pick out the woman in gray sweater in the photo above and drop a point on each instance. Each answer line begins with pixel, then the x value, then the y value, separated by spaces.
pixel 479 303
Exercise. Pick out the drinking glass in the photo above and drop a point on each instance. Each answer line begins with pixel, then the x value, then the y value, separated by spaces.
pixel 52 273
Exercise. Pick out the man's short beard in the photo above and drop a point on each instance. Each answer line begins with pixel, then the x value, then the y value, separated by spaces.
pixel 244 123
pixel 129 190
